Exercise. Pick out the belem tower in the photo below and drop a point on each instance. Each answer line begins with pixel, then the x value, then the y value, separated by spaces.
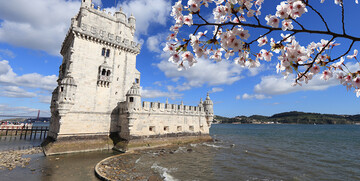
pixel 97 103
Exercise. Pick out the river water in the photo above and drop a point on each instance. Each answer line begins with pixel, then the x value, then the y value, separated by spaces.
pixel 240 152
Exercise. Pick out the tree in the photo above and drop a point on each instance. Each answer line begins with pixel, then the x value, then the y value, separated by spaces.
pixel 232 20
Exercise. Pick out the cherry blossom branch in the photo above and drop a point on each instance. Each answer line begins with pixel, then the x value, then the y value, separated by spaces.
pixel 302 27
pixel 313 61
pixel 260 37
pixel 351 45
pixel 336 35
pixel 318 13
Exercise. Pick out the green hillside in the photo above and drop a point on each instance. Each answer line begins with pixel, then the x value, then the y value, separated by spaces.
pixel 293 117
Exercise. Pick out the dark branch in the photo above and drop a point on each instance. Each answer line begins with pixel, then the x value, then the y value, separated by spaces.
pixel 317 12
pixel 336 35
pixel 260 37
pixel 313 61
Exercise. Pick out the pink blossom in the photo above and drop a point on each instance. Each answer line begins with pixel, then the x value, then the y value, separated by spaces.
pixel 326 75
pixel 174 58
pixel 353 56
pixel 356 82
pixel 188 20
pixel 266 55
pixel 315 69
pixel 262 41
pixel 272 21
pixel 244 34
pixel 194 5
pixel 357 92
pixel 188 56
pixel 287 25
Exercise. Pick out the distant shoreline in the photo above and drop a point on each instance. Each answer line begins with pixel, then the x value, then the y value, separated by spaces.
pixel 292 117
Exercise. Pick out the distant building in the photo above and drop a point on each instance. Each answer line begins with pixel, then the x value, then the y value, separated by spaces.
pixel 98 94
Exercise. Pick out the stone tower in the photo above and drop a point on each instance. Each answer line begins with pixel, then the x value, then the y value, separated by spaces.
pixel 98 68
pixel 208 107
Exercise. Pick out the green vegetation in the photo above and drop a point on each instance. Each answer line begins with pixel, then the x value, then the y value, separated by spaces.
pixel 293 117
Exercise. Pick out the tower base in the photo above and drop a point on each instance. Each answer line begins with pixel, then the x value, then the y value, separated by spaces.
pixel 76 143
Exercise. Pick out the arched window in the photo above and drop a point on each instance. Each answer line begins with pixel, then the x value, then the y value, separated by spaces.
pixel 108 53
pixel 131 99
pixel 103 72
pixel 103 52
pixel 108 73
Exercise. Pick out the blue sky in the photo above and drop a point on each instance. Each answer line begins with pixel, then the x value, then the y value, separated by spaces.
pixel 31 33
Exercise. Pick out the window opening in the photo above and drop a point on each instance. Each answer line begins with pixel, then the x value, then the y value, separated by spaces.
pixel 103 52
pixel 108 53
pixel 131 99
pixel 103 72
pixel 108 73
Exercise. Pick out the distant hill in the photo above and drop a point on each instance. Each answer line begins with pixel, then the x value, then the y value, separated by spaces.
pixel 292 117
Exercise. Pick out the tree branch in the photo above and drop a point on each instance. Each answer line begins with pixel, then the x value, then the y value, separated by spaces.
pixel 317 12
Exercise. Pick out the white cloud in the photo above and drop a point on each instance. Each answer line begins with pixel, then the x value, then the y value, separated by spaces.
pixel 22 111
pixel 16 92
pixel 216 89
pixel 44 99
pixel 151 93
pixel 154 44
pixel 33 80
pixel 146 12
pixel 238 97
pixel 39 25
pixel 253 96
pixel 97 2
pixel 7 53
pixel 276 85
pixel 203 72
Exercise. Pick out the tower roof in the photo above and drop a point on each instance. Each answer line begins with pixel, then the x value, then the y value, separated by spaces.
pixel 208 100
pixel 68 80
pixel 134 90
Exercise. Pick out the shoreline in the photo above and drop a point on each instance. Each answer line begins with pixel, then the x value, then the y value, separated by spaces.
pixel 122 167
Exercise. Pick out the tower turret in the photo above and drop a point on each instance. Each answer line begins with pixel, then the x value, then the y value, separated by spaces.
pixel 86 3
pixel 132 23
pixel 66 94
pixel 133 98
pixel 208 107
pixel 120 15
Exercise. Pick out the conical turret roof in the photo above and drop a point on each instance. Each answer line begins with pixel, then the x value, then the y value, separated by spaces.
pixel 134 90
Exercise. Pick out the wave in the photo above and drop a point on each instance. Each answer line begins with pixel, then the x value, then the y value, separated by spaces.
pixel 214 146
pixel 164 172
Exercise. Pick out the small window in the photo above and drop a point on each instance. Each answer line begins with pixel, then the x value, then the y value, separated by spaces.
pixel 191 128
pixel 166 128
pixel 131 99
pixel 137 80
pixel 108 73
pixel 61 89
pixel 152 128
pixel 179 128
pixel 103 72
pixel 103 52
pixel 108 53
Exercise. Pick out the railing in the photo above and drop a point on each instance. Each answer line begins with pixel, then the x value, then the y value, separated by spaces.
pixel 24 132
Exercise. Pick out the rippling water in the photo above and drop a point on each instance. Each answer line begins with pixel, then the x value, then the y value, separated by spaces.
pixel 267 152
pixel 241 152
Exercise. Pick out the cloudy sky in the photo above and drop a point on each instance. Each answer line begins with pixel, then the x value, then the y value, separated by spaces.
pixel 31 33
